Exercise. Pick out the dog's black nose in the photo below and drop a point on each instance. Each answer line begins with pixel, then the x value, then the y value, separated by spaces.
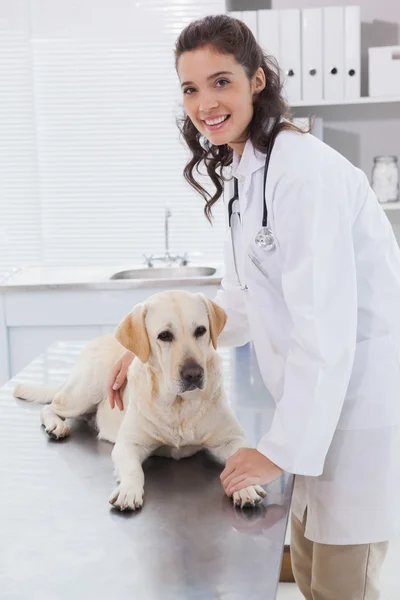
pixel 192 374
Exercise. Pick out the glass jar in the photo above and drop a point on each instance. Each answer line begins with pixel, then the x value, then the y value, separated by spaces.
pixel 385 178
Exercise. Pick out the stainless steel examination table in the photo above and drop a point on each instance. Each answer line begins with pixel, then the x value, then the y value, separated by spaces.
pixel 60 539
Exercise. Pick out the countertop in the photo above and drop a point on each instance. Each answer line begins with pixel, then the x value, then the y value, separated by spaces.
pixel 93 278
pixel 60 538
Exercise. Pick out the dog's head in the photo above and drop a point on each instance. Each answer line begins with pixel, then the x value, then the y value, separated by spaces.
pixel 175 331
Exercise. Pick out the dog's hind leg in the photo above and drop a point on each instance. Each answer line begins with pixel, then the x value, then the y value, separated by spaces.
pixel 70 402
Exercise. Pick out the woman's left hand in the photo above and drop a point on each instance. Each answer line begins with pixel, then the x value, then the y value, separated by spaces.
pixel 248 467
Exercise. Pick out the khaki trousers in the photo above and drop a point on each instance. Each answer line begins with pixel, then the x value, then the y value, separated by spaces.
pixel 325 572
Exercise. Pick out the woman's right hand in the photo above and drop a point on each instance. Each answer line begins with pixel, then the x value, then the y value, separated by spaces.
pixel 117 378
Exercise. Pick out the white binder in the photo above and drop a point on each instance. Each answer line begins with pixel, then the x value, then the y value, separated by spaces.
pixel 290 52
pixel 352 52
pixel 311 54
pixel 250 18
pixel 333 41
pixel 268 32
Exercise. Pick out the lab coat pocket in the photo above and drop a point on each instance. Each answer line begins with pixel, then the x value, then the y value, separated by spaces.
pixel 263 274
pixel 372 398
pixel 258 265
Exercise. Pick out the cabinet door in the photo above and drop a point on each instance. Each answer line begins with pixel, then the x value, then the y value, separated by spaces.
pixel 26 343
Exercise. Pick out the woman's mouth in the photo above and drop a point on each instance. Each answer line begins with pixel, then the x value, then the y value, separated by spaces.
pixel 216 122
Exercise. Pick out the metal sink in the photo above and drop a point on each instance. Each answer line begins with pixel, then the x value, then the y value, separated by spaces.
pixel 165 273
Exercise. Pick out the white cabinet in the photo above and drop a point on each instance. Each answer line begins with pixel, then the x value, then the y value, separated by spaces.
pixel 26 343
pixel 31 320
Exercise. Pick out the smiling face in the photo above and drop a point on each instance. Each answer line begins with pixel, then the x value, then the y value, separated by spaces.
pixel 218 96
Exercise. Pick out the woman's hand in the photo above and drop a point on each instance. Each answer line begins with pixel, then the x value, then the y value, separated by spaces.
pixel 248 467
pixel 117 378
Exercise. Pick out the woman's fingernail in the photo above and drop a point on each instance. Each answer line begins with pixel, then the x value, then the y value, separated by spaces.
pixel 115 386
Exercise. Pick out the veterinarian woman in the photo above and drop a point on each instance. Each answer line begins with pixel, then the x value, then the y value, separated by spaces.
pixel 319 296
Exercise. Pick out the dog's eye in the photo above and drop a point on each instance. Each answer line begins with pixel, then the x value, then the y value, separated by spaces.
pixel 165 336
pixel 200 331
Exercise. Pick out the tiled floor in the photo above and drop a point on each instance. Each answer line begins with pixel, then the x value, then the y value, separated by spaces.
pixel 390 578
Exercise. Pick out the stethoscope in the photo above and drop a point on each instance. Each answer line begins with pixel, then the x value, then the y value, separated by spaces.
pixel 264 238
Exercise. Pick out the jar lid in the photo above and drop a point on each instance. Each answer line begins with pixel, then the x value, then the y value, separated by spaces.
pixel 385 158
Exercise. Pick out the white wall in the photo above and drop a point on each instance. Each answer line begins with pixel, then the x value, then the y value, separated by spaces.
pixel 90 153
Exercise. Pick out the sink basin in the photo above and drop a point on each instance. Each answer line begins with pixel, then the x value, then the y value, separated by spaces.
pixel 164 273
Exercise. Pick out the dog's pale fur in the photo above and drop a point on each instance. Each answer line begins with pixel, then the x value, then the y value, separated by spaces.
pixel 164 413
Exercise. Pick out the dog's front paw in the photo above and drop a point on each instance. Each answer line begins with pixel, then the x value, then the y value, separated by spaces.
pixel 249 496
pixel 127 496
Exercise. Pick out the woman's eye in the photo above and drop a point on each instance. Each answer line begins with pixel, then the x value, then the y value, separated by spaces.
pixel 188 91
pixel 223 82
pixel 165 336
pixel 200 331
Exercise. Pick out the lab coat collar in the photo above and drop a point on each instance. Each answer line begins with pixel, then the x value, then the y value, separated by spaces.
pixel 243 167
pixel 250 161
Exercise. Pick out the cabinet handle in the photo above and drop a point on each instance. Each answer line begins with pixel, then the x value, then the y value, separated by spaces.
pixel 334 71
pixel 313 72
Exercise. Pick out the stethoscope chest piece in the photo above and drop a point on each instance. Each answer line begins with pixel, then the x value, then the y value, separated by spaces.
pixel 265 239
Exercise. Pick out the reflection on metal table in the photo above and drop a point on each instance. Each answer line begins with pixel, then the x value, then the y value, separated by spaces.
pixel 60 539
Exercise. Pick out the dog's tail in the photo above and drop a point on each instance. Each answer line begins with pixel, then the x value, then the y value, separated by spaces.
pixel 41 394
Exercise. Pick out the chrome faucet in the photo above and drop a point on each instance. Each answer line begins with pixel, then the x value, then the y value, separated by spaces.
pixel 168 215
pixel 167 257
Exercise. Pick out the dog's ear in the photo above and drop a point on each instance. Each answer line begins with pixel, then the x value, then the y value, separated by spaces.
pixel 217 319
pixel 132 333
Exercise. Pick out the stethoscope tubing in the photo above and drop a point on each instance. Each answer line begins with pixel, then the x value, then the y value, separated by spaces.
pixel 274 133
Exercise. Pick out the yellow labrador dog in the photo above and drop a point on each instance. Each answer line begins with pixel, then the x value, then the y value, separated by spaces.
pixel 174 400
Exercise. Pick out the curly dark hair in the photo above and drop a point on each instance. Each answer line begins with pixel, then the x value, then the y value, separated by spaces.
pixel 230 36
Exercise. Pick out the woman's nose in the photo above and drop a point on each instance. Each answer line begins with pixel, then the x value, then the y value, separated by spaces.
pixel 207 103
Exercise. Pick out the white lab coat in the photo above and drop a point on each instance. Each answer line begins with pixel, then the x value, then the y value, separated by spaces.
pixel 323 312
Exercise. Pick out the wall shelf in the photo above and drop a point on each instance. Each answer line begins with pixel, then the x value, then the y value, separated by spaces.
pixel 391 206
pixel 355 101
